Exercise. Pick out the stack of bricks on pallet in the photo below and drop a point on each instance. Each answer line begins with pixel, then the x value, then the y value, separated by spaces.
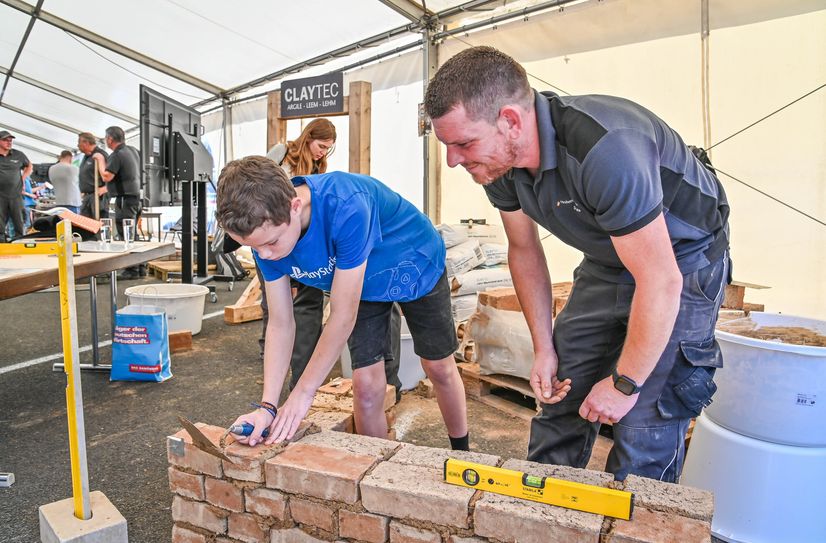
pixel 336 486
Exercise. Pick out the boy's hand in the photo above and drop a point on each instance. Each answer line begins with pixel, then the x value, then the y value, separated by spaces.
pixel 259 418
pixel 289 416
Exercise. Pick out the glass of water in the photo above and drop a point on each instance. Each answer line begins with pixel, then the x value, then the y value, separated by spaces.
pixel 106 230
pixel 128 231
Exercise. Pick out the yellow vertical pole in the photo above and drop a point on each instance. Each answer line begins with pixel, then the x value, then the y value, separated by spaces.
pixel 74 394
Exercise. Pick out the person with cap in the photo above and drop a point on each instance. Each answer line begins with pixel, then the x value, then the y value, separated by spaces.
pixel 14 167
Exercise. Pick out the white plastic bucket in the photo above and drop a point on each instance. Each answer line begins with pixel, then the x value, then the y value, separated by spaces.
pixel 184 303
pixel 763 492
pixel 410 366
pixel 769 390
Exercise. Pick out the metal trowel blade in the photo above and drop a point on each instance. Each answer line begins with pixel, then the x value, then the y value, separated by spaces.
pixel 201 441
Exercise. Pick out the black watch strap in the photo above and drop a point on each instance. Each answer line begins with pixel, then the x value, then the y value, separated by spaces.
pixel 625 384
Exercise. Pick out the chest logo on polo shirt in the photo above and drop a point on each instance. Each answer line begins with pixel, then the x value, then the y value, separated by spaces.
pixel 560 203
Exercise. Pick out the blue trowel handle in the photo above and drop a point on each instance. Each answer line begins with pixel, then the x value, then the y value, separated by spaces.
pixel 246 429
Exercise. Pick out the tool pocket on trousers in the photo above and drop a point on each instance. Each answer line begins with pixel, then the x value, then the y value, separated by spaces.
pixel 691 384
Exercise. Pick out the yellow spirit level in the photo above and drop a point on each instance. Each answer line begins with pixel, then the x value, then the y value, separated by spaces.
pixel 579 496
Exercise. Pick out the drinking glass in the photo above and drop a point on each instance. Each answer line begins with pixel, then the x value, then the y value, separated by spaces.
pixel 106 230
pixel 128 231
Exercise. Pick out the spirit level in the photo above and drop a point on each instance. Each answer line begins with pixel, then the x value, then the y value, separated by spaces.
pixel 517 484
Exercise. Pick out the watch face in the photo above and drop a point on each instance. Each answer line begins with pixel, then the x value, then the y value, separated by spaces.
pixel 624 385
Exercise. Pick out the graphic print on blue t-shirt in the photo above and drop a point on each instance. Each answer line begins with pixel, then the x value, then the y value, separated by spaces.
pixel 356 218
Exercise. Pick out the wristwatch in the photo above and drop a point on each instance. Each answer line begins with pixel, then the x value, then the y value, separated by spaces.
pixel 625 384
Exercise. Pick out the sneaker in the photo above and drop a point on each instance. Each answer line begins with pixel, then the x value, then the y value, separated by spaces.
pixel 128 274
pixel 142 271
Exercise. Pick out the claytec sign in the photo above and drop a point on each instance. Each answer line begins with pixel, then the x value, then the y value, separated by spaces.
pixel 313 96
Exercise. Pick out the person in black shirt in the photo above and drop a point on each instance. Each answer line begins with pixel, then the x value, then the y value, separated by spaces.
pixel 14 167
pixel 121 173
pixel 87 143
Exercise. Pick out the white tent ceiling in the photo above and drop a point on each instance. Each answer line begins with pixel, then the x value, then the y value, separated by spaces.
pixel 77 66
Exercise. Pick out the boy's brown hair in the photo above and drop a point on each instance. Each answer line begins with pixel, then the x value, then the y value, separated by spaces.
pixel 252 191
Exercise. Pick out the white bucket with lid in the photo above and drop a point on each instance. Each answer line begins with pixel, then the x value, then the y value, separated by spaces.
pixel 184 303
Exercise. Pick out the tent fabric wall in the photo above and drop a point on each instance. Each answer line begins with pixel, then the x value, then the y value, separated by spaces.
pixel 755 69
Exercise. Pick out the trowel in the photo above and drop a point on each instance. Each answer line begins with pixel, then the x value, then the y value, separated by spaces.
pixel 201 441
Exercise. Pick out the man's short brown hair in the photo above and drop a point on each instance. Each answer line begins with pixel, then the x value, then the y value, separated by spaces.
pixel 88 137
pixel 66 154
pixel 252 191
pixel 483 80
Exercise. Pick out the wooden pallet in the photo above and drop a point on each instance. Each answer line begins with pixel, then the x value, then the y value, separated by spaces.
pixel 247 307
pixel 162 268
pixel 499 391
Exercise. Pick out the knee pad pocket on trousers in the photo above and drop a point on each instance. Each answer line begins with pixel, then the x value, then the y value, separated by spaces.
pixel 691 384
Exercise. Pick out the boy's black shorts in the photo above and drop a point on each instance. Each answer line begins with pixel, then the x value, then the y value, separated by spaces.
pixel 429 319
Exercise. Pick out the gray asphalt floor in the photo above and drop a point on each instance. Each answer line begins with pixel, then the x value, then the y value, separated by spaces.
pixel 127 422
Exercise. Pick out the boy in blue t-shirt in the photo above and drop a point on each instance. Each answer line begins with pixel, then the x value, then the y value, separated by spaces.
pixel 352 236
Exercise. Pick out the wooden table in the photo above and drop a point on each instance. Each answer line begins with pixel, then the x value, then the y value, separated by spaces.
pixel 29 273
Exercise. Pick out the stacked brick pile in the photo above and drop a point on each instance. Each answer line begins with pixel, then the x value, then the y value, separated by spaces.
pixel 335 486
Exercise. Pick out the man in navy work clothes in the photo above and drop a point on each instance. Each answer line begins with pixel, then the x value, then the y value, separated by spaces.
pixel 635 344
pixel 352 236
pixel 14 168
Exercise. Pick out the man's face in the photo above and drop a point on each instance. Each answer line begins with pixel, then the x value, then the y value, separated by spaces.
pixel 484 150
pixel 85 147
pixel 274 242
pixel 5 144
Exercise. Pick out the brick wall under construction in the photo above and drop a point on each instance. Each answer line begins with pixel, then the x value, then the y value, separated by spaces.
pixel 331 485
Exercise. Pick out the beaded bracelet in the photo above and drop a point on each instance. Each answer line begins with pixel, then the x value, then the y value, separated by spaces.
pixel 266 406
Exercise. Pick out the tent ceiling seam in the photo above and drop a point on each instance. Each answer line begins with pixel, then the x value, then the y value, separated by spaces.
pixel 131 54
pixel 34 15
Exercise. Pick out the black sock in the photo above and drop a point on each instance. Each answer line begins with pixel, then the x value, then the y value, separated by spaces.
pixel 459 443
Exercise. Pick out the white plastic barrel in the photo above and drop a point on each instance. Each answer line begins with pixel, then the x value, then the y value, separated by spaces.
pixel 769 390
pixel 184 303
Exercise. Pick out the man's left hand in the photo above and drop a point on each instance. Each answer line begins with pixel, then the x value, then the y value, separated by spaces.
pixel 605 403
pixel 289 416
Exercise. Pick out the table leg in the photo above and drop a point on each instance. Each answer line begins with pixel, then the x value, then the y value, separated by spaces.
pixel 93 306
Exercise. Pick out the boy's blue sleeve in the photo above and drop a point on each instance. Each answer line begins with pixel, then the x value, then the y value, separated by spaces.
pixel 269 271
pixel 356 229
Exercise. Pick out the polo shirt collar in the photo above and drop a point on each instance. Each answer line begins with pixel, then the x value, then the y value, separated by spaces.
pixel 547 134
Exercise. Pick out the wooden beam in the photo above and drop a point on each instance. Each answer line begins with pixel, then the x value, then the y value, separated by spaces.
pixel 276 126
pixel 248 306
pixel 360 116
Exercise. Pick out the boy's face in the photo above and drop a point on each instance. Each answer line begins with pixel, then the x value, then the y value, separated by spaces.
pixel 275 242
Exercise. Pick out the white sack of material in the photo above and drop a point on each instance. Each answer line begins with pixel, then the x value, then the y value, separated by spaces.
pixel 495 253
pixel 463 306
pixel 463 257
pixel 451 236
pixel 501 342
pixel 484 233
pixel 480 279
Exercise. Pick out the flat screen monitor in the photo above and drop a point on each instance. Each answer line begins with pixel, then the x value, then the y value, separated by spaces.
pixel 160 118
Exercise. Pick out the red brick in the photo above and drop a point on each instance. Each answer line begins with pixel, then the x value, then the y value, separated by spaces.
pixel 320 472
pixel 224 494
pixel 183 535
pixel 314 514
pixel 248 462
pixel 337 421
pixel 196 459
pixel 266 502
pixel 199 514
pixel 402 533
pixel 186 484
pixel 415 492
pixel 500 298
pixel 293 535
pixel 647 525
pixel 246 527
pixel 362 526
